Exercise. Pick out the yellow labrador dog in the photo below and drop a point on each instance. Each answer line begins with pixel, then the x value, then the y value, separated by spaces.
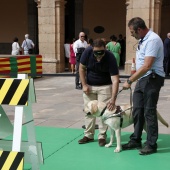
pixel 119 118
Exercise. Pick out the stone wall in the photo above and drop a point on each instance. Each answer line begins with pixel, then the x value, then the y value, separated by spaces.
pixel 150 12
pixel 51 34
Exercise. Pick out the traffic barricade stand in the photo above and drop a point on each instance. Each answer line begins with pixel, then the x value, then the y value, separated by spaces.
pixel 20 92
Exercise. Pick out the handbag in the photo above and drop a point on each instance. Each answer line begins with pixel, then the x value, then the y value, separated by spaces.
pixel 80 50
pixel 79 53
pixel 30 51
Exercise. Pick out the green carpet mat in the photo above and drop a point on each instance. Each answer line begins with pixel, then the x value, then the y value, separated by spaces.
pixel 62 152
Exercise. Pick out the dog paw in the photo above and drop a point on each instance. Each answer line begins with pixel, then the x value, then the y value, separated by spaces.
pixel 117 150
pixel 108 145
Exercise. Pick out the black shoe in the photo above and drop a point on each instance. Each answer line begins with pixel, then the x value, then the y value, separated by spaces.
pixel 85 140
pixel 78 87
pixel 147 150
pixel 145 143
pixel 131 145
pixel 96 127
pixel 102 142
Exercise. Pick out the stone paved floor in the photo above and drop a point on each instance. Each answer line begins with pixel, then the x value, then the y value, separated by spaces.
pixel 59 104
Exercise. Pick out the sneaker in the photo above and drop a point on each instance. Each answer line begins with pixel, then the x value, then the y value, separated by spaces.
pixel 102 142
pixel 147 150
pixel 85 140
pixel 131 145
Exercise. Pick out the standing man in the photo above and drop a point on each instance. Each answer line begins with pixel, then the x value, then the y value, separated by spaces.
pixel 78 47
pixel 28 45
pixel 167 55
pixel 100 79
pixel 150 79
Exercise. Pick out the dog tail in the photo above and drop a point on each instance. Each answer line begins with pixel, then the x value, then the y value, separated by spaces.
pixel 161 119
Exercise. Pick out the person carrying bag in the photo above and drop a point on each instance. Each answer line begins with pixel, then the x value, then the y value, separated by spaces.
pixel 28 45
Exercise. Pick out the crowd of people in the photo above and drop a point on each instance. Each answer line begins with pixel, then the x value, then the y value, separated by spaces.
pixel 74 49
pixel 115 45
pixel 97 74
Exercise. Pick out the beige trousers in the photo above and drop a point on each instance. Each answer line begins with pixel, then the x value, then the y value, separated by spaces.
pixel 100 93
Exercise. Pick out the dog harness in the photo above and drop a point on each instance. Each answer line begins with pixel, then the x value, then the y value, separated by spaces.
pixel 118 113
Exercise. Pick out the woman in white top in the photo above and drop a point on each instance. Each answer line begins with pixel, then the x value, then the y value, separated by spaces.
pixel 15 47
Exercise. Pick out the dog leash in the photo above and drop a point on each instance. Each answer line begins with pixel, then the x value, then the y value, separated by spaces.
pixel 130 101
pixel 121 111
pixel 130 94
pixel 106 105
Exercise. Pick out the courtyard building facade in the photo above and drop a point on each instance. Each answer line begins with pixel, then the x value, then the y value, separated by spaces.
pixel 50 23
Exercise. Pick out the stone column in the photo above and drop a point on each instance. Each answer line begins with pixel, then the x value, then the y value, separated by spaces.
pixel 46 26
pixel 157 16
pixel 59 34
pixel 130 41
pixel 78 17
pixel 51 34
pixel 149 10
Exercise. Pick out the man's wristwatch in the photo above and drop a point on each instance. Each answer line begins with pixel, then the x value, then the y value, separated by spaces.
pixel 129 81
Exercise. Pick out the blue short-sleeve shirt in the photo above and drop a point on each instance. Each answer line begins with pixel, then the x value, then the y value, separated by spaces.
pixel 151 46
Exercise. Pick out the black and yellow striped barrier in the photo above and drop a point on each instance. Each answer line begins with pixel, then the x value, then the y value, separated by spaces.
pixel 14 91
pixel 19 92
pixel 11 160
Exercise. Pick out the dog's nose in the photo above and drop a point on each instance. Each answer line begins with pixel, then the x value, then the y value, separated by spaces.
pixel 89 113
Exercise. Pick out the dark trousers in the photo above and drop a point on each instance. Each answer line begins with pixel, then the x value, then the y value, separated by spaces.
pixel 145 98
pixel 77 78
pixel 167 65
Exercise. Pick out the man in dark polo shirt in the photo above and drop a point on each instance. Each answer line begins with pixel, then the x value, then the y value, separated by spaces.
pixel 100 80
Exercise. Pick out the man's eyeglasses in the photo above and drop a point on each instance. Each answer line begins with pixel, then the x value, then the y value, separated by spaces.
pixel 82 36
pixel 99 53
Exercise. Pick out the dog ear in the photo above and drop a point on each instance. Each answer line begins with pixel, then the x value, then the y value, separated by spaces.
pixel 94 108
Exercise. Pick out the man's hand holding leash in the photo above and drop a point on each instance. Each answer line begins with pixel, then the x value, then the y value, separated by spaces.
pixel 127 85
